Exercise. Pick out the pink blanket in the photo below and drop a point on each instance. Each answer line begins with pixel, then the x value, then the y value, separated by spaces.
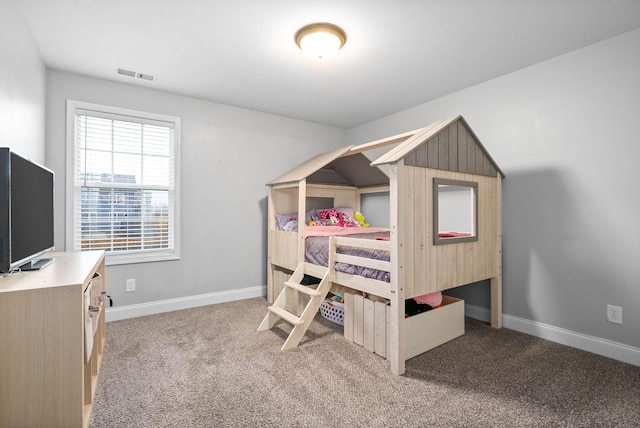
pixel 337 230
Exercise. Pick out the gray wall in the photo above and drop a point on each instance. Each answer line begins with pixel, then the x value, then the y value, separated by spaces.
pixel 228 154
pixel 22 86
pixel 565 132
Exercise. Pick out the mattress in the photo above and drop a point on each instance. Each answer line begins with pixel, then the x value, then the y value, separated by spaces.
pixel 317 249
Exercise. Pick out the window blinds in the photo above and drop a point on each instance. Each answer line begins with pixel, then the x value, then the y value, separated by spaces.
pixel 124 183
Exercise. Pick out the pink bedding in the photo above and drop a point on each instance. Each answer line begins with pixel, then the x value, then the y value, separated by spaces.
pixel 340 231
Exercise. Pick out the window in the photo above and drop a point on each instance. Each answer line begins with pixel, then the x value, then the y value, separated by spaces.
pixel 122 183
pixel 455 211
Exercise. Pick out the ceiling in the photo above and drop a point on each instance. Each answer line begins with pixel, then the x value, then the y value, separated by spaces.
pixel 399 53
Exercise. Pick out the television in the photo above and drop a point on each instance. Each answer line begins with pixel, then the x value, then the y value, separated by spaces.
pixel 26 212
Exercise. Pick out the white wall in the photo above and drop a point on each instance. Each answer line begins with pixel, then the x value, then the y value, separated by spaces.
pixel 565 132
pixel 228 154
pixel 22 86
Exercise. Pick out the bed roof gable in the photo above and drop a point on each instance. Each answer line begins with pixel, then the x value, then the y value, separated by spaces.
pixel 448 144
pixel 309 167
pixel 352 170
pixel 340 167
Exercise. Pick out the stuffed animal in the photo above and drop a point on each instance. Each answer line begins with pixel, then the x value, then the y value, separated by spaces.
pixel 314 221
pixel 291 225
pixel 432 299
pixel 329 217
pixel 333 217
pixel 346 221
pixel 358 216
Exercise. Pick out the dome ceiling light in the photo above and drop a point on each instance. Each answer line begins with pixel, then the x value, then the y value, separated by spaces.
pixel 321 40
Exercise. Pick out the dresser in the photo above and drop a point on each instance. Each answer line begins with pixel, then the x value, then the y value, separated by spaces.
pixel 52 330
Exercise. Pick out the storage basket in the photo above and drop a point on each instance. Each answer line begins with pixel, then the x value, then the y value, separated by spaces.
pixel 333 311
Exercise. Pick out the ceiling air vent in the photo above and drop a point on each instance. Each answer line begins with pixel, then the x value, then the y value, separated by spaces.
pixel 135 74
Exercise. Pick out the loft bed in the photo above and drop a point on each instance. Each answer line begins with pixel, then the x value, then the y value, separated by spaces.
pixel 444 231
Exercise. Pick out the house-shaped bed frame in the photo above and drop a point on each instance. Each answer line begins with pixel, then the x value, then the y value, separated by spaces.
pixel 411 169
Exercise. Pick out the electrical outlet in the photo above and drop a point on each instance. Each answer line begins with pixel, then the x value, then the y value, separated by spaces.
pixel 130 285
pixel 614 314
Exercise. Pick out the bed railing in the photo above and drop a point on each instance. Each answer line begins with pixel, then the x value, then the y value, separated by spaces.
pixel 360 283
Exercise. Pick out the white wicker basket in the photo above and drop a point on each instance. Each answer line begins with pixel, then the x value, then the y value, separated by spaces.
pixel 333 311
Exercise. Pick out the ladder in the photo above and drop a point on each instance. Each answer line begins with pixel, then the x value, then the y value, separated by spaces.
pixel 289 296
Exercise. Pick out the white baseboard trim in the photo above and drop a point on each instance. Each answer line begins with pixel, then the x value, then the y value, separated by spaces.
pixel 142 309
pixel 607 348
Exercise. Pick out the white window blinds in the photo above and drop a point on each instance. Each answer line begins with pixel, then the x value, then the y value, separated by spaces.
pixel 124 183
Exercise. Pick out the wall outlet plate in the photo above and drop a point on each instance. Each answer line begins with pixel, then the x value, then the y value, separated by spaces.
pixel 614 314
pixel 130 285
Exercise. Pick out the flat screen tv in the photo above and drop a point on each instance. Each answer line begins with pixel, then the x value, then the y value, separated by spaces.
pixel 26 212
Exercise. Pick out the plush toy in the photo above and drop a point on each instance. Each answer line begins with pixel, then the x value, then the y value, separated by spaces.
pixel 333 217
pixel 329 217
pixel 291 225
pixel 432 299
pixel 345 221
pixel 358 216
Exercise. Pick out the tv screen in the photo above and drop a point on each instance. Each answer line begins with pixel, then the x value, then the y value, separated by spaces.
pixel 26 202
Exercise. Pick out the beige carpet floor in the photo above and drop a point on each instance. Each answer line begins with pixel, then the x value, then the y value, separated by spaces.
pixel 209 367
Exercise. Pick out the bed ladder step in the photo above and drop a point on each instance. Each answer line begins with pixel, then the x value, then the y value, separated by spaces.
pixel 286 315
pixel 302 288
pixel 289 297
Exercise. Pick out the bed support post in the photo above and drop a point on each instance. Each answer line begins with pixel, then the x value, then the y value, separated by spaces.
pixel 496 301
pixel 302 207
pixel 496 282
pixel 270 226
pixel 396 331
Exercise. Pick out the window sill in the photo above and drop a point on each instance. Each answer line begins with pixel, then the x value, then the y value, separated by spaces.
pixel 126 259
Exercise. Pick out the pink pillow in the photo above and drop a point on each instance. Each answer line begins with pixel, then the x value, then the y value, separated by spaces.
pixel 432 299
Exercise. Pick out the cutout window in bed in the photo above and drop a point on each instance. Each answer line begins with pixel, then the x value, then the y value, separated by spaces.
pixel 455 211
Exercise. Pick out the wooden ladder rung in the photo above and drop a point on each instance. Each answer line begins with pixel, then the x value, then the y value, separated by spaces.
pixel 286 315
pixel 303 289
pixel 315 270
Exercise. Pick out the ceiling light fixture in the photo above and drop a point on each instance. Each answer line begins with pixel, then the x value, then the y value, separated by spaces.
pixel 321 40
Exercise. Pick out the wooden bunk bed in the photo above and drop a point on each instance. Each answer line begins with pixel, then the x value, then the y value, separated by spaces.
pixel 416 169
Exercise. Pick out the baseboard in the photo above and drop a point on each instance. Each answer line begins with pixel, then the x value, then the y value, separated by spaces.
pixel 477 312
pixel 139 310
pixel 607 348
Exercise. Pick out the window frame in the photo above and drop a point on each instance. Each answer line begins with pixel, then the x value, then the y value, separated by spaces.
pixel 73 198
pixel 473 186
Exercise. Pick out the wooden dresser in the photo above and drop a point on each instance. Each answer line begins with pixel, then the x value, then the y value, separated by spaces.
pixel 47 378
